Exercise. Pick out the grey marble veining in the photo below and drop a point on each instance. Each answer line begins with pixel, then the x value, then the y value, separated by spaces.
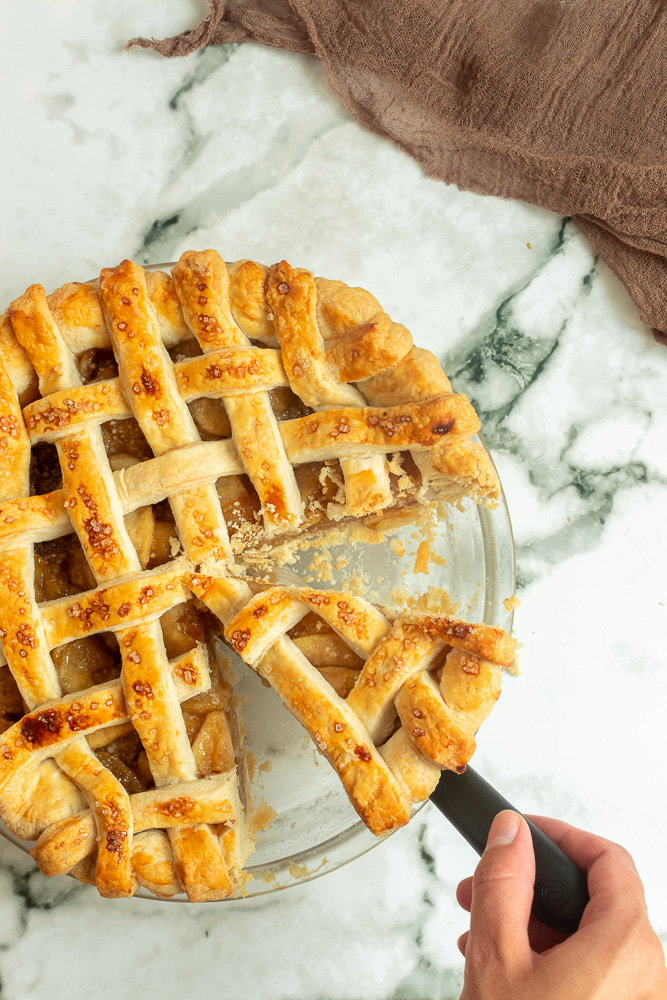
pixel 244 149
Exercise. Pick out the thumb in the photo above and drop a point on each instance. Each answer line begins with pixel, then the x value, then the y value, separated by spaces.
pixel 502 895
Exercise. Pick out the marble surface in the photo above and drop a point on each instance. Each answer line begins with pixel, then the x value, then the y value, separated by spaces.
pixel 110 155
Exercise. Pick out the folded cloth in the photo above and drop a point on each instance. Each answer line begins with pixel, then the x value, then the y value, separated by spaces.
pixel 562 103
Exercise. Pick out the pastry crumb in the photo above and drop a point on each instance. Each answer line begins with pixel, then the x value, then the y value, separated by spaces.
pixel 262 817
pixel 251 763
pixel 422 557
pixel 435 600
pixel 302 871
pixel 510 603
pixel 515 669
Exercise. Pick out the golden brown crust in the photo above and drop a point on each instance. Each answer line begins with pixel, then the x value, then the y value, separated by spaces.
pixel 418 376
pixel 364 430
pixel 15 360
pixel 337 733
pixel 225 373
pixel 206 800
pixel 118 606
pixel 152 703
pixel 202 285
pixel 433 730
pixel 38 797
pixel 21 629
pixel 14 447
pixel 247 291
pixel 58 723
pixel 38 334
pixel 371 348
pixel 172 326
pixel 402 653
pixel 147 375
pixel 65 843
pixel 358 623
pixel 91 502
pixel 484 641
pixel 153 864
pixel 416 773
pixel 78 314
pixel 113 819
pixel 56 414
pixel 291 297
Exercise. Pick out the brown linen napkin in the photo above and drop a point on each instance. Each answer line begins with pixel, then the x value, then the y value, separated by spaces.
pixel 562 103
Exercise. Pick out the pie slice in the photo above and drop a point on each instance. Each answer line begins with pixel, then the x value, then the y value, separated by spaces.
pixel 156 432
pixel 413 692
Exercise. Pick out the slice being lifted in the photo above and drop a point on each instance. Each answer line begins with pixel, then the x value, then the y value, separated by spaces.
pixel 156 432
pixel 424 685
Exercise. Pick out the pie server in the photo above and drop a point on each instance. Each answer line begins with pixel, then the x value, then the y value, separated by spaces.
pixel 470 804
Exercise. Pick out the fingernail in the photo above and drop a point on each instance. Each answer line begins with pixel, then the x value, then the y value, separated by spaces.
pixel 503 829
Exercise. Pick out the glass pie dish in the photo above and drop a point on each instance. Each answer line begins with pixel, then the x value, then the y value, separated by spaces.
pixel 462 556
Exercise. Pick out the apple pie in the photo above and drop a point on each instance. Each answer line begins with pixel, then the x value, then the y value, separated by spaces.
pixel 157 432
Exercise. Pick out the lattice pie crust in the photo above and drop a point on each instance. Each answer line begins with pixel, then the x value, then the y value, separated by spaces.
pixel 156 431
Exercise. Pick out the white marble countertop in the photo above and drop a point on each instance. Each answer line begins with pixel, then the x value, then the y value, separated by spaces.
pixel 108 155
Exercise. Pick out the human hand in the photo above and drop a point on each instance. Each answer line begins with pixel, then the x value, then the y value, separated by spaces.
pixel 614 955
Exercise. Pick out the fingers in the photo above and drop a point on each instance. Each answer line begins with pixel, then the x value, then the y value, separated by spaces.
pixel 613 880
pixel 581 846
pixel 615 946
pixel 502 894
pixel 464 893
pixel 540 936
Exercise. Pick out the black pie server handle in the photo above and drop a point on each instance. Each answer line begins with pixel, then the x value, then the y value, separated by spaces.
pixel 470 804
